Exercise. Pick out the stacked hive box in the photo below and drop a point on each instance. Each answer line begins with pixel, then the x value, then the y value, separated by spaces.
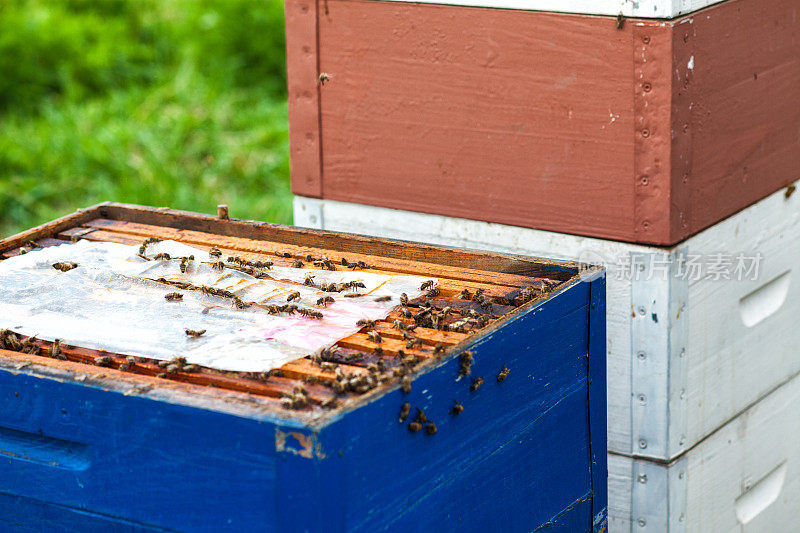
pixel 95 441
pixel 656 146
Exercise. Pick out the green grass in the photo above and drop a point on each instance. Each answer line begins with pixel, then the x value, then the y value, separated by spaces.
pixel 171 103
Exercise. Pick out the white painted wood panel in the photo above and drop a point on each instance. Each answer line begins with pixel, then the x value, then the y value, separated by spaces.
pixel 743 478
pixel 629 8
pixel 724 344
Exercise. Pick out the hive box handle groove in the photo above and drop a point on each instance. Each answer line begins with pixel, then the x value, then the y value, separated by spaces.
pixel 39 449
pixel 765 300
pixel 761 495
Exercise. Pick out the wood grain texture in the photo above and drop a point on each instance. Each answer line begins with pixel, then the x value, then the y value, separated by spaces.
pixel 745 104
pixel 516 117
pixel 561 122
pixel 305 143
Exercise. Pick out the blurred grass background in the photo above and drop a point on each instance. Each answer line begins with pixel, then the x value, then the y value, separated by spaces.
pixel 177 103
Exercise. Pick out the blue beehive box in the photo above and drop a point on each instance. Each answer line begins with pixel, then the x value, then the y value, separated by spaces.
pixel 97 448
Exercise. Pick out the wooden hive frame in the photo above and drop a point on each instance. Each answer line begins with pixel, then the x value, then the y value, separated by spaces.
pixel 501 279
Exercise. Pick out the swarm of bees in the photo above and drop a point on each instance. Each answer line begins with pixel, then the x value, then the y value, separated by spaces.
pixel 65 266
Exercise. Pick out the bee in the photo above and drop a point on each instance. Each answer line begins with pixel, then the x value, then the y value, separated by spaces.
pixel 344 262
pixel 283 254
pixel 310 313
pixel 173 296
pixel 327 354
pixel 353 295
pixel 309 281
pixel 413 427
pixel 430 428
pixel 438 349
pixel 406 384
pixel 406 313
pixel 293 296
pixel 191 369
pixel 404 299
pixel 620 21
pixel 501 377
pixel 297 263
pixel 324 78
pixel 421 417
pixel 358 265
pixel 184 264
pixel 404 410
pixel 103 360
pixel 163 255
pixel 55 350
pixel 309 258
pixel 789 190
pixel 383 298
pixel 457 408
pixel 240 304
pixel 356 285
pixel 218 265
pixel 476 383
pixel 328 367
pixel 325 300
pixel 161 375
pixel 375 337
pixel 465 363
pixel 330 403
pixel 195 333
pixel 433 293
pixel 477 296
pixel 124 367
pixel 426 285
pixel 366 323
pixel 65 266
pixel 413 342
pixel 378 350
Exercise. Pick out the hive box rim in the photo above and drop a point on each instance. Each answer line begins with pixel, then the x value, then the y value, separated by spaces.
pixel 238 403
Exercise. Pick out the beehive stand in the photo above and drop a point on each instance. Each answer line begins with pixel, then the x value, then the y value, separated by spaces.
pixel 512 287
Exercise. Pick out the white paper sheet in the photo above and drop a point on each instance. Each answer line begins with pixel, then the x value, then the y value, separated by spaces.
pixel 113 302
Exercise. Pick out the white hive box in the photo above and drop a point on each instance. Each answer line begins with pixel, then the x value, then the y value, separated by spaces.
pixel 685 356
pixel 743 478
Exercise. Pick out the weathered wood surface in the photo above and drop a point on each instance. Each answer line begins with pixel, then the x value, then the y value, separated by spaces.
pixel 640 9
pixel 130 452
pixel 649 133
pixel 744 477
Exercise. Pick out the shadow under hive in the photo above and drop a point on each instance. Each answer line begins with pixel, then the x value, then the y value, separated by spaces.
pixel 504 395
